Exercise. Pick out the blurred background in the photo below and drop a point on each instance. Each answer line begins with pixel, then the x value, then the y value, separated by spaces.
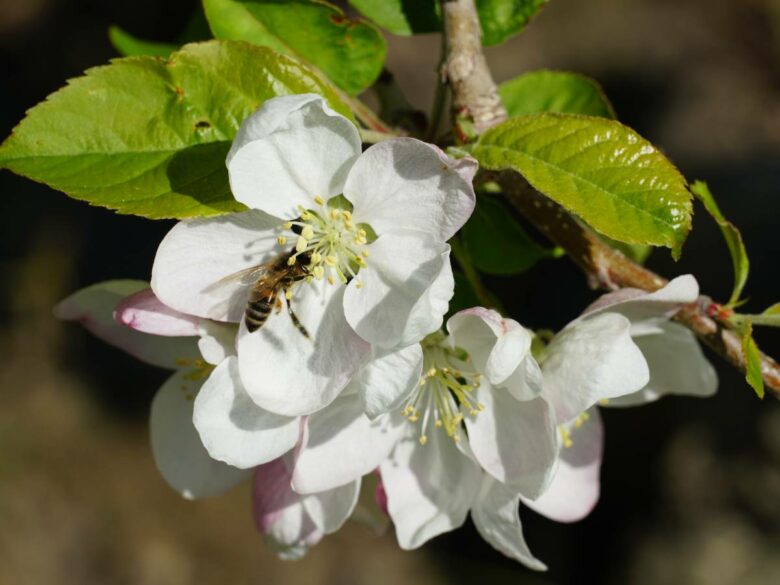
pixel 691 489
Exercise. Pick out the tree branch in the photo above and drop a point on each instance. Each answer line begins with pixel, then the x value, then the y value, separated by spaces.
pixel 474 93
pixel 475 96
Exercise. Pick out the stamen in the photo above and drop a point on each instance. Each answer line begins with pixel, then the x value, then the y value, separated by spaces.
pixel 319 200
pixel 281 240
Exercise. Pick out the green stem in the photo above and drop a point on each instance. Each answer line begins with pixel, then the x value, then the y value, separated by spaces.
pixel 372 136
pixel 486 298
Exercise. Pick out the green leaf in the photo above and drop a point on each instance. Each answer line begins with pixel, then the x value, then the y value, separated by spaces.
pixel 555 91
pixel 496 243
pixel 402 17
pixel 773 310
pixel 752 361
pixel 501 19
pixel 130 46
pixel 350 52
pixel 636 252
pixel 769 318
pixel 598 169
pixel 739 257
pixel 148 136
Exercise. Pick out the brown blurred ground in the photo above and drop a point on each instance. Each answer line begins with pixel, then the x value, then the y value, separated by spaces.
pixel 691 488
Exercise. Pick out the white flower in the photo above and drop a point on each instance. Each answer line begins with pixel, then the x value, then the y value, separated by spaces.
pixel 675 365
pixel 366 233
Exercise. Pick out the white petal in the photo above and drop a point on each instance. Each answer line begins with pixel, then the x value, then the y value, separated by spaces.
pixel 526 382
pixel 677 366
pixel 217 341
pixel 406 183
pixel 341 445
pixel 196 258
pixel 657 306
pixel 429 488
pixel 288 373
pixel 496 517
pixel 289 151
pixel 592 360
pixel 144 312
pixel 279 512
pixel 233 428
pixel 496 345
pixel 575 488
pixel 180 456
pixel 406 290
pixel 515 442
pixel 388 379
pixel 330 509
pixel 94 307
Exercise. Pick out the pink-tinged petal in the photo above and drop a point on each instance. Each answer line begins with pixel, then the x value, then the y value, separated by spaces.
pixel 591 360
pixel 144 312
pixel 342 444
pixel 291 374
pixel 575 489
pixel 331 508
pixel 94 308
pixel 496 517
pixel 380 496
pixel 638 306
pixel 677 366
pixel 515 442
pixel 496 346
pixel 279 512
pixel 289 151
pixel 405 290
pixel 178 452
pixel 198 264
pixel 404 183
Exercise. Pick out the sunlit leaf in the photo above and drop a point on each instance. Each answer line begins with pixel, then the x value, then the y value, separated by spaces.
pixel 349 52
pixel 598 169
pixel 148 136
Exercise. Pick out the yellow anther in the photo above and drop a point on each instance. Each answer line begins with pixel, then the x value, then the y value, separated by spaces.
pixel 291 261
pixel 287 226
pixel 456 438
pixel 364 253
pixel 331 260
pixel 331 280
pixel 438 423
pixel 407 411
pixel 359 284
pixel 431 373
pixel 307 233
pixel 414 417
pixel 305 216
pixel 423 439
pixel 282 240
pixel 288 294
pixel 318 272
pixel 301 244
pixel 335 214
pixel 604 401
pixel 423 381
pixel 316 258
pixel 362 233
pixel 347 215
pixel 319 200
pixel 361 261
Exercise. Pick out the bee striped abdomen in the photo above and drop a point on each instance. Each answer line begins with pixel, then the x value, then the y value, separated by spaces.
pixel 257 312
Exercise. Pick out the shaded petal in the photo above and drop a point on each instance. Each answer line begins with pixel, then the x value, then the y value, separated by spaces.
pixel 94 307
pixel 233 428
pixel 217 341
pixel 386 381
pixel 330 509
pixel 677 366
pixel 288 373
pixel 574 490
pixel 180 456
pixel 526 382
pixel 429 488
pixel 515 442
pixel 496 518
pixel 144 312
pixel 590 360
pixel 196 258
pixel 290 150
pixel 406 290
pixel 638 306
pixel 279 513
pixel 404 183
pixel 496 345
pixel 341 444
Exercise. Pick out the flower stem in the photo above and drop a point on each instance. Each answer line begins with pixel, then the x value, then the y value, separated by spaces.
pixel 486 298
pixel 372 136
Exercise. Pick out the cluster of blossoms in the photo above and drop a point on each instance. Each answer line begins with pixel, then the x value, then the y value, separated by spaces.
pixel 360 374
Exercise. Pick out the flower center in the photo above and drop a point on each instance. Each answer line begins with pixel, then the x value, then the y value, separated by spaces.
pixel 446 388
pixel 329 241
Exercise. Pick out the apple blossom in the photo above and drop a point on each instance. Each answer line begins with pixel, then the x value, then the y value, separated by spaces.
pixel 369 229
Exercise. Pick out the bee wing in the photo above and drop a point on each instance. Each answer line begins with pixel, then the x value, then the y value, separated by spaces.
pixel 245 277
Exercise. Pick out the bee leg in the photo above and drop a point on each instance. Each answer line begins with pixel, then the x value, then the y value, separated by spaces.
pixel 297 321
pixel 278 304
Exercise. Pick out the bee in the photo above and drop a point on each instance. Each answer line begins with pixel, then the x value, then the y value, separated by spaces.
pixel 268 281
